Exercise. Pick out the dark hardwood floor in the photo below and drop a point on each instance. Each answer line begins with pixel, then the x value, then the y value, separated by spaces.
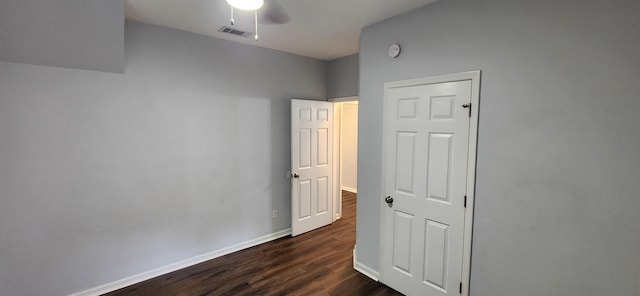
pixel 315 263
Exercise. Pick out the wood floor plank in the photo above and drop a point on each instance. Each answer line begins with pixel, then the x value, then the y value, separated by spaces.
pixel 315 263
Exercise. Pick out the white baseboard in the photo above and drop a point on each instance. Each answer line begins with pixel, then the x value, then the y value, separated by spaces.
pixel 134 279
pixel 366 270
pixel 347 188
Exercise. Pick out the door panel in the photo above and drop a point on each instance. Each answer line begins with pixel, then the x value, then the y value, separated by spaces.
pixel 323 147
pixel 426 137
pixel 439 166
pixel 405 161
pixel 304 199
pixel 304 148
pixel 402 238
pixel 311 165
pixel 323 195
pixel 435 253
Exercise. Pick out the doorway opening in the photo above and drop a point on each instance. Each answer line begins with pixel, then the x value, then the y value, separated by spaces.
pixel 324 137
pixel 346 148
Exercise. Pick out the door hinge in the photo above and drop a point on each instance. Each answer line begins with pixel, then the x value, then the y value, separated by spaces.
pixel 460 288
pixel 465 201
pixel 467 106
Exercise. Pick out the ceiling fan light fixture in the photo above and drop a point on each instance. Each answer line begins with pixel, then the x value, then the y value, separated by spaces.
pixel 246 4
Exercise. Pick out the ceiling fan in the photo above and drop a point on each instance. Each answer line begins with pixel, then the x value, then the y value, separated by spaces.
pixel 269 11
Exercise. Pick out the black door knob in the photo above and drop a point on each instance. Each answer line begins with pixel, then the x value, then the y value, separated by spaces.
pixel 296 176
pixel 389 200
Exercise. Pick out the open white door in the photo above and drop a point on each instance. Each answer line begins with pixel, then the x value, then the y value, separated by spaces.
pixel 428 164
pixel 311 165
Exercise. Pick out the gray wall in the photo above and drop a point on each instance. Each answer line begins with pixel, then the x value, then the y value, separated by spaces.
pixel 557 189
pixel 103 176
pixel 342 77
pixel 63 33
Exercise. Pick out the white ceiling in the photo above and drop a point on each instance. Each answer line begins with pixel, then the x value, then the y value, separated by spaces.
pixel 323 29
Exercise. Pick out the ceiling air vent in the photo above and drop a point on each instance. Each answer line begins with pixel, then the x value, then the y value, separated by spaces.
pixel 232 31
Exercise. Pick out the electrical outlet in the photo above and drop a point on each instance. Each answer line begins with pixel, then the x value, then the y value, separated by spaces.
pixel 275 214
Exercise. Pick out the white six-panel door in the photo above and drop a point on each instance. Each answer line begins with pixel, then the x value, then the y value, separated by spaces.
pixel 311 165
pixel 426 148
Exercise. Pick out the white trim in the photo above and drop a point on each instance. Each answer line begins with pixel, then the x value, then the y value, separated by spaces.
pixel 137 278
pixel 471 180
pixel 364 269
pixel 340 148
pixel 471 75
pixel 347 188
pixel 337 178
pixel 474 76
pixel 343 99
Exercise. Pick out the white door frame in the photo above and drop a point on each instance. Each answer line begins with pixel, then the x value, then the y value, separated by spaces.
pixel 474 76
pixel 337 179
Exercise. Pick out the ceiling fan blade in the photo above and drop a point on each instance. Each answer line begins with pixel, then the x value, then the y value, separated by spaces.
pixel 272 13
